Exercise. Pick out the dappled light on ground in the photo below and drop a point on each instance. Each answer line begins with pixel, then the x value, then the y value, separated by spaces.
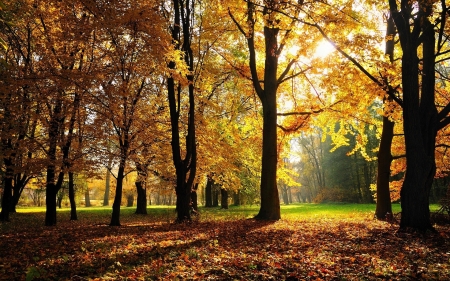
pixel 149 248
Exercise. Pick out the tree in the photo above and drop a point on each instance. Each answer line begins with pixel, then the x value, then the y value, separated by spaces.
pixel 17 104
pixel 270 204
pixel 185 165
pixel 421 119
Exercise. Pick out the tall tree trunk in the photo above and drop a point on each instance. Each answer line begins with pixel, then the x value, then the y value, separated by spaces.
pixel 87 198
pixel 194 203
pixel 270 203
pixel 73 207
pixel 115 217
pixel 209 192
pixel 51 187
pixel 215 197
pixel 237 198
pixel 419 112
pixel 186 166
pixel 224 198
pixel 384 208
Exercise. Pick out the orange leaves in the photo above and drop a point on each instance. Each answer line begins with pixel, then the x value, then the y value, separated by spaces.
pixel 150 248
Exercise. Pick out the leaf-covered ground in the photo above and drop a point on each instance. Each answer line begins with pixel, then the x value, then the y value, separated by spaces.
pixel 152 248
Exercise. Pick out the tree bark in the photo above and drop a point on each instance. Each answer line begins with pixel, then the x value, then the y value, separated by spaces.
pixel 224 198
pixel 141 203
pixel 185 166
pixel 419 113
pixel 130 200
pixel 7 191
pixel 215 199
pixel 73 207
pixel 270 203
pixel 51 188
pixel 209 192
pixel 383 207
pixel 115 217
pixel 237 198
pixel 87 198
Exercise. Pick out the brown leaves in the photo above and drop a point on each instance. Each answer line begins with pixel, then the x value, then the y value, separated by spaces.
pixel 152 248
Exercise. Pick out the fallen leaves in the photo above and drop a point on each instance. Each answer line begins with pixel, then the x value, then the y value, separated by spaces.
pixel 147 248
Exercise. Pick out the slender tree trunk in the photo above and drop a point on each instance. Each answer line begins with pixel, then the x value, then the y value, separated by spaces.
pixel 73 207
pixel 194 198
pixel 87 198
pixel 237 198
pixel 224 198
pixel 215 199
pixel 185 166
pixel 115 217
pixel 209 192
pixel 384 207
pixel 51 187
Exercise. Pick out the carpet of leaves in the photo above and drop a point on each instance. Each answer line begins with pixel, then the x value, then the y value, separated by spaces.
pixel 146 248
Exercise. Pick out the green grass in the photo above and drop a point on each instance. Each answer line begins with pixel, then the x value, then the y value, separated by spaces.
pixel 296 211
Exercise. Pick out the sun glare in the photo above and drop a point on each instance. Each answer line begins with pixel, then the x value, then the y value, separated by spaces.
pixel 323 49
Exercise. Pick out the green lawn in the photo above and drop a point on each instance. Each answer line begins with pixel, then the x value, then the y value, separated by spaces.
pixel 294 211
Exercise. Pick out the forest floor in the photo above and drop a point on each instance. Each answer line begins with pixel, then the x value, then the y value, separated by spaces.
pixel 226 246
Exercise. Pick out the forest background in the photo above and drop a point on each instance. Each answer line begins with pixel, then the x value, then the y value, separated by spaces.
pixel 178 101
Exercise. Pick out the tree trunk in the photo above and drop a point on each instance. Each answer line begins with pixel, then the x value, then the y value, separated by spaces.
pixel 215 198
pixel 209 192
pixel 20 181
pixel 50 202
pixel 194 203
pixel 7 193
pixel 141 203
pixel 73 207
pixel 224 198
pixel 51 187
pixel 284 191
pixel 130 200
pixel 270 203
pixel 87 198
pixel 237 198
pixel 186 166
pixel 115 217
pixel 419 114
pixel 384 208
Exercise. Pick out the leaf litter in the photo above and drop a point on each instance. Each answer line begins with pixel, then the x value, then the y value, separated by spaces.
pixel 146 248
